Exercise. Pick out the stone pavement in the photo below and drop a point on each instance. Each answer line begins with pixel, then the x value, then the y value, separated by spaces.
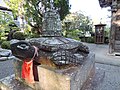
pixel 6 68
pixel 107 76
pixel 107 70
pixel 102 55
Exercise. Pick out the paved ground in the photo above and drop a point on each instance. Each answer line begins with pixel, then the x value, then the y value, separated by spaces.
pixel 107 75
pixel 107 69
pixel 102 55
pixel 6 68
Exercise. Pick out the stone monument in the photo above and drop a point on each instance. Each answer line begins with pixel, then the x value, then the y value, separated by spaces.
pixel 74 63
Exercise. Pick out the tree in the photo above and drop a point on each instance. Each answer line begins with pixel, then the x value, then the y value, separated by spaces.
pixel 34 14
pixel 15 6
pixel 63 7
pixel 5 20
pixel 78 21
pixel 34 10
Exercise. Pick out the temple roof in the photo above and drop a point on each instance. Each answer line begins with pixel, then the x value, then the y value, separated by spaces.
pixel 100 24
pixel 105 3
pixel 4 8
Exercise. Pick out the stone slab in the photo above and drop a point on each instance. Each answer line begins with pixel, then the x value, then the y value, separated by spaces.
pixel 10 83
pixel 72 78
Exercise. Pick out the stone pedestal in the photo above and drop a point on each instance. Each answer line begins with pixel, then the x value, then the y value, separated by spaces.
pixel 18 68
pixel 73 78
pixel 10 83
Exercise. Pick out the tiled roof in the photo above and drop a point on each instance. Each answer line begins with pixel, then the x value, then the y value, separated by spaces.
pixel 105 3
pixel 4 8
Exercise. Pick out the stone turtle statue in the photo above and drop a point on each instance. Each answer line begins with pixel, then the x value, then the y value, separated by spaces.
pixel 27 53
pixel 23 50
pixel 55 58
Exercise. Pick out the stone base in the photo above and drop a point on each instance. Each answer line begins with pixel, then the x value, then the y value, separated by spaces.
pixel 73 78
pixel 10 83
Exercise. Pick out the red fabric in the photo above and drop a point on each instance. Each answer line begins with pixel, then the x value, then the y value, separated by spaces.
pixel 27 71
pixel 27 68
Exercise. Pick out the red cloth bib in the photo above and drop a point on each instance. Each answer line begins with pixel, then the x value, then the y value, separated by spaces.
pixel 27 68
pixel 27 71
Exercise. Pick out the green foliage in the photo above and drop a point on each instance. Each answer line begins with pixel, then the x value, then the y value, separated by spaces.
pixel 33 13
pixel 18 35
pixel 15 6
pixel 34 10
pixel 1 41
pixel 63 6
pixel 5 45
pixel 34 35
pixel 5 19
pixel 31 32
pixel 87 39
pixel 74 34
pixel 90 40
pixel 76 25
pixel 78 21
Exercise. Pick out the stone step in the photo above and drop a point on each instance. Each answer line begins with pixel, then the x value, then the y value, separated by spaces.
pixel 10 83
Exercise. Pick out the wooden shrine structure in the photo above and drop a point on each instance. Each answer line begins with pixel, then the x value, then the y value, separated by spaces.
pixel 114 42
pixel 99 33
